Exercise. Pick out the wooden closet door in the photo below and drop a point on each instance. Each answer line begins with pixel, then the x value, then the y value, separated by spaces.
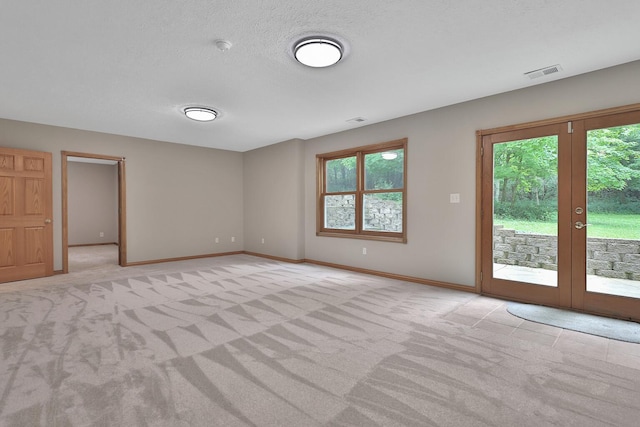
pixel 26 231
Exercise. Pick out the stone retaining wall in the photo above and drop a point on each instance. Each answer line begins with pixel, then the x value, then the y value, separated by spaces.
pixel 383 215
pixel 379 215
pixel 340 212
pixel 614 258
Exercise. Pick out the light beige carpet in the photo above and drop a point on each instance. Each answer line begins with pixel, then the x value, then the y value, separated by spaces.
pixel 241 341
pixel 83 258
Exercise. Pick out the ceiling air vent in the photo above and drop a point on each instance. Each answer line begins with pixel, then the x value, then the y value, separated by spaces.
pixel 535 74
pixel 357 120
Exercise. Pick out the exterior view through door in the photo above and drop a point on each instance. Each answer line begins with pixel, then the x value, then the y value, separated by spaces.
pixel 560 213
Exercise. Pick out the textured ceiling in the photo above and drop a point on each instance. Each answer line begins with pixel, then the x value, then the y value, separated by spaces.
pixel 129 67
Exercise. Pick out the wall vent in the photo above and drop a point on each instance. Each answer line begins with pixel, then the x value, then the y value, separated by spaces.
pixel 357 120
pixel 542 72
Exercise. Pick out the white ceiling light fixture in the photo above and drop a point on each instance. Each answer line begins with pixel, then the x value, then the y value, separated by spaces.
pixel 389 155
pixel 200 114
pixel 318 51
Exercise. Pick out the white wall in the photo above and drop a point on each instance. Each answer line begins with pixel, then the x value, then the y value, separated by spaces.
pixel 441 155
pixel 179 197
pixel 92 203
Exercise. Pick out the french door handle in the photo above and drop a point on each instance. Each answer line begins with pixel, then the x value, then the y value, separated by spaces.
pixel 580 225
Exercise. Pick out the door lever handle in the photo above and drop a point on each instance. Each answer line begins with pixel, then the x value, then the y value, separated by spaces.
pixel 47 221
pixel 580 225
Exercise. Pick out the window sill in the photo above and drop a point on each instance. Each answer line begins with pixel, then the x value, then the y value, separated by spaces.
pixel 394 239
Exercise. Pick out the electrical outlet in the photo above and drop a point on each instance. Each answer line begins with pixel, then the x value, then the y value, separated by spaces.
pixel 364 251
pixel 233 239
pixel 263 240
pixel 217 240
pixel 454 198
pixel 102 234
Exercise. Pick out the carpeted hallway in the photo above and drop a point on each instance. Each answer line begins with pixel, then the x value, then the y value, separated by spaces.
pixel 242 341
pixel 102 257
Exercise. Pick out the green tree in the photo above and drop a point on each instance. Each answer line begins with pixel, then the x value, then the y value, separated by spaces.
pixel 614 169
pixel 525 169
pixel 380 173
pixel 384 173
pixel 341 174
pixel 613 159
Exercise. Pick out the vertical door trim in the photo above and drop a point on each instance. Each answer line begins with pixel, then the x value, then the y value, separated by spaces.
pixel 65 219
pixel 122 217
pixel 479 213
pixel 565 151
pixel 578 241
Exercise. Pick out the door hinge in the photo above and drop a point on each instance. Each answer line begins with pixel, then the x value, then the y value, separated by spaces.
pixel 481 277
pixel 569 127
pixel 481 151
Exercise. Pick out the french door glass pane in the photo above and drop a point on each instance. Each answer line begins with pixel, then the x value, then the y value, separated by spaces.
pixel 525 205
pixel 340 212
pixel 613 210
pixel 383 212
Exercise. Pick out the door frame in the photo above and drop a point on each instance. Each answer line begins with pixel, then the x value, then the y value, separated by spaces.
pixel 582 302
pixel 122 217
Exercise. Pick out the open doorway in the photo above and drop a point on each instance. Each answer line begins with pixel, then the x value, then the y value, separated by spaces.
pixel 93 211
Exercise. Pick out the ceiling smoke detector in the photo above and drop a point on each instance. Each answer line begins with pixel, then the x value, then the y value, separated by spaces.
pixel 223 45
pixel 542 72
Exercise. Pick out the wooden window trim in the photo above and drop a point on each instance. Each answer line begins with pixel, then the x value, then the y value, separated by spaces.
pixel 359 153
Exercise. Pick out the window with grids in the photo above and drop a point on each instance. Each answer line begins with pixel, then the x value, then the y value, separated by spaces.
pixel 362 192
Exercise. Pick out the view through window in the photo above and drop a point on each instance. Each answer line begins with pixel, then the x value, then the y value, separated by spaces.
pixel 362 192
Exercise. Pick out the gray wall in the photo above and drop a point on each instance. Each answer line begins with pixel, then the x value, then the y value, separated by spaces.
pixel 92 202
pixel 274 200
pixel 179 197
pixel 441 155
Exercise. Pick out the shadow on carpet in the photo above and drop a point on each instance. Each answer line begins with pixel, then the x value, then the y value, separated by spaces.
pixel 620 330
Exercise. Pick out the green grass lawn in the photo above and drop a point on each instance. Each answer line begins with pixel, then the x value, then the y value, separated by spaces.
pixel 616 226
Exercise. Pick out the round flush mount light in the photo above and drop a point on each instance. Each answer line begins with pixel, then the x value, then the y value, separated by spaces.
pixel 200 114
pixel 318 52
pixel 389 155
